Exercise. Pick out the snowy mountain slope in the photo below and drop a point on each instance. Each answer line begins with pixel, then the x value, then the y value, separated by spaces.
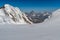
pixel 54 18
pixel 12 15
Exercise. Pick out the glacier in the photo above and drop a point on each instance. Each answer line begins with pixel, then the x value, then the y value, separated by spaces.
pixel 48 30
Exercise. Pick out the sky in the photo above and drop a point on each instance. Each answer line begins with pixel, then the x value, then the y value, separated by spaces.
pixel 36 5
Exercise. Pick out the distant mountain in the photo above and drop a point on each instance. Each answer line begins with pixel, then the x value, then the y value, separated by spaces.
pixel 38 17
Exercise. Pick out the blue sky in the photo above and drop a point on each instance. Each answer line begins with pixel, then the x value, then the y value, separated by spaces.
pixel 37 5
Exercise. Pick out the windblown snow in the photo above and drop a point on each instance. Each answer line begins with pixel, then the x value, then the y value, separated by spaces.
pixel 48 30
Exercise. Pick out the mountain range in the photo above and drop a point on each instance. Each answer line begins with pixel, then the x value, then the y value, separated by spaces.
pixel 13 15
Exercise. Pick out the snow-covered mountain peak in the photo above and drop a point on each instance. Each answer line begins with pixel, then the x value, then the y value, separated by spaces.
pixel 56 13
pixel 12 15
pixel 6 5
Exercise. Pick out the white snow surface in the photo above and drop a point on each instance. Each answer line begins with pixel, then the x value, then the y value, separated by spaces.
pixel 30 32
pixel 48 30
